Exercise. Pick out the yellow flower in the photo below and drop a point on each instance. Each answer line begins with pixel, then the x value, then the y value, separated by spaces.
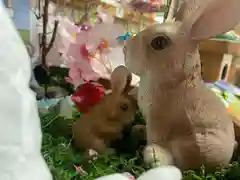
pixel 74 35
pixel 106 43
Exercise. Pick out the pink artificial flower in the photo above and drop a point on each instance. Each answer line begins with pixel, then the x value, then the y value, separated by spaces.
pixel 80 72
pixel 64 37
pixel 80 69
pixel 77 50
pixel 67 30
pixel 106 34
pixel 88 52
pixel 74 76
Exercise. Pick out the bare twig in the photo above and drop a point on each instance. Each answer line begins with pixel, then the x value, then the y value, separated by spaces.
pixel 44 47
pixel 48 48
pixel 44 34
pixel 38 16
pixel 44 42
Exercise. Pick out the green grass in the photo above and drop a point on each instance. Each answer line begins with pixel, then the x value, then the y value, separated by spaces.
pixel 61 157
pixel 24 34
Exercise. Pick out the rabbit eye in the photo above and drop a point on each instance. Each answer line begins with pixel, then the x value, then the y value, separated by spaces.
pixel 124 107
pixel 160 42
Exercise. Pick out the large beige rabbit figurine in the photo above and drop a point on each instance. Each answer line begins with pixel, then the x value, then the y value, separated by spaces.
pixel 187 125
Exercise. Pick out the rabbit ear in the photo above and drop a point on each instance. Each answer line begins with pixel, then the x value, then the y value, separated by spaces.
pixel 208 18
pixel 120 80
pixel 133 92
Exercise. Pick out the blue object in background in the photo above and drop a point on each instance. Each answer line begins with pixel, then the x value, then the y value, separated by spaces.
pixel 125 37
pixel 228 87
pixel 21 16
pixel 225 86
pixel 48 103
pixel 5 2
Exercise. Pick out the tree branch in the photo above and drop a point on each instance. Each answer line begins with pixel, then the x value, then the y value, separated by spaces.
pixel 36 15
pixel 48 48
pixel 44 34
pixel 44 47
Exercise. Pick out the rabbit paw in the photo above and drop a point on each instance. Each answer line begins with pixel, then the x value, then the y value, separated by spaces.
pixel 163 173
pixel 155 156
pixel 92 153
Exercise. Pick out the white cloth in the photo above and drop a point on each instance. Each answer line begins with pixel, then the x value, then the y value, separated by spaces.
pixel 159 173
pixel 162 173
pixel 113 177
pixel 20 132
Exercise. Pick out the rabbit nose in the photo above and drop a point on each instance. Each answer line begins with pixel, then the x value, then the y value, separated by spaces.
pixel 160 42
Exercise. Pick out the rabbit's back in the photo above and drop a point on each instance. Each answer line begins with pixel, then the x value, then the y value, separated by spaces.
pixel 83 133
pixel 213 134
pixel 205 109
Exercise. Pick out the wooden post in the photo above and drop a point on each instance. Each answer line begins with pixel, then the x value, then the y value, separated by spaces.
pixel 9 3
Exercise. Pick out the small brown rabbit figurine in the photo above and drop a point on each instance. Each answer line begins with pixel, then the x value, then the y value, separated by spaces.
pixel 187 125
pixel 106 120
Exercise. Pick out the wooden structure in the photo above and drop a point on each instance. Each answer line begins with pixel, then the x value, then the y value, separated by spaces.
pixel 79 4
pixel 217 58
pixel 236 78
pixel 8 4
pixel 133 21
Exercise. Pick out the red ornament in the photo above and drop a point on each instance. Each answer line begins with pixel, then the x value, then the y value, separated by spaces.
pixel 88 95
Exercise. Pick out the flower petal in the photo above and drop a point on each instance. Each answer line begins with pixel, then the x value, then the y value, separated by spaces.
pixel 102 66
pixel 95 36
pixel 75 75
pixel 63 43
pixel 115 31
pixel 87 71
pixel 69 26
pixel 82 37
pixel 74 51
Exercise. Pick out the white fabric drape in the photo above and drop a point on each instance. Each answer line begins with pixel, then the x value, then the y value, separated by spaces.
pixel 20 132
pixel 159 173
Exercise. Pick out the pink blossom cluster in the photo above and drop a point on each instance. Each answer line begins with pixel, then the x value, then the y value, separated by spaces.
pixel 87 52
